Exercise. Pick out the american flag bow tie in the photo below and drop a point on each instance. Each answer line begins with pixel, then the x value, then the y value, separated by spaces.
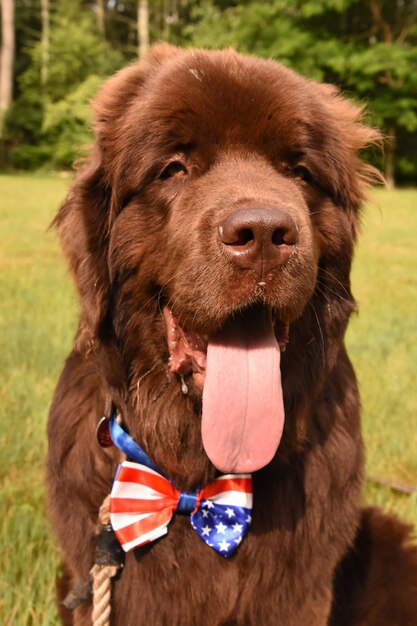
pixel 142 503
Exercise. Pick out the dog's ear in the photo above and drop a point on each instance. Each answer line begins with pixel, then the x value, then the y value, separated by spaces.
pixel 82 225
pixel 119 92
pixel 348 137
pixel 84 219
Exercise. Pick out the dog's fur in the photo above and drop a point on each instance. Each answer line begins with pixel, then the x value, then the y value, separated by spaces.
pixel 139 237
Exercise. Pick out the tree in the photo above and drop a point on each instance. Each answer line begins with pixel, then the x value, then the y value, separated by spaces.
pixel 367 47
pixel 44 42
pixel 52 124
pixel 143 28
pixel 101 18
pixel 386 73
pixel 6 58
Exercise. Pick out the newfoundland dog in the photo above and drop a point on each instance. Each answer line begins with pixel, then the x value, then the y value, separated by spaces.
pixel 210 235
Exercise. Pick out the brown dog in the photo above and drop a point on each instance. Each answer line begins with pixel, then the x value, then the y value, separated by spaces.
pixel 210 235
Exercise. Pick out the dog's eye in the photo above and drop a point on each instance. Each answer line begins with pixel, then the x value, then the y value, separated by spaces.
pixel 301 173
pixel 173 169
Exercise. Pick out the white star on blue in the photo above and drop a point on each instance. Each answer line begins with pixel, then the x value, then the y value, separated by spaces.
pixel 221 527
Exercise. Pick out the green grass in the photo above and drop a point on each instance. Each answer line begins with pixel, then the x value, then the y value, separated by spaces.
pixel 37 322
pixel 382 341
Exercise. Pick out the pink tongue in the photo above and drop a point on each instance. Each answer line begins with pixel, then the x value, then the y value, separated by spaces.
pixel 243 412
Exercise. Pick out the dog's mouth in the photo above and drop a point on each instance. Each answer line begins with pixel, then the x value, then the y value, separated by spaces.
pixel 237 369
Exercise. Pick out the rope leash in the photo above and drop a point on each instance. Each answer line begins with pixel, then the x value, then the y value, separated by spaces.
pixel 109 560
pixel 102 575
pixel 394 486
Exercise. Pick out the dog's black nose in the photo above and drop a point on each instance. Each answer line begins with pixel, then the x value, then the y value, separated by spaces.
pixel 263 238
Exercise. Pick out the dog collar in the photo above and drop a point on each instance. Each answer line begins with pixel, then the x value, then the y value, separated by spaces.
pixel 143 502
pixel 126 444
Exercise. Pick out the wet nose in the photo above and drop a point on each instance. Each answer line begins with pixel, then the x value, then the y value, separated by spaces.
pixel 263 238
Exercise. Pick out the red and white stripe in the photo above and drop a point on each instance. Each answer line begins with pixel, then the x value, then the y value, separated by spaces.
pixel 142 501
pixel 230 490
pixel 141 505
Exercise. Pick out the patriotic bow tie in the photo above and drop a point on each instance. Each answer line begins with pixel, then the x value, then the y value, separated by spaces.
pixel 142 503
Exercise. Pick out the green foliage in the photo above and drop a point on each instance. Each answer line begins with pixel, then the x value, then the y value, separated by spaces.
pixel 51 123
pixel 67 123
pixel 368 48
pixel 24 117
pixel 370 53
pixel 28 157
pixel 76 51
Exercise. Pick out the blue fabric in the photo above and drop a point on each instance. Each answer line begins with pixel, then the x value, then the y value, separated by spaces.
pixel 221 527
pixel 186 503
pixel 126 444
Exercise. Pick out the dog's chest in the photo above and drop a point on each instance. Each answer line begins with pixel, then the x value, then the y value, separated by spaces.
pixel 281 574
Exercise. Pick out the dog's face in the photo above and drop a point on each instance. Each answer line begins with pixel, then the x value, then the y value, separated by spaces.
pixel 218 212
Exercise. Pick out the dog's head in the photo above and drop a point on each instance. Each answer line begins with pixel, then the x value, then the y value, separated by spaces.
pixel 214 224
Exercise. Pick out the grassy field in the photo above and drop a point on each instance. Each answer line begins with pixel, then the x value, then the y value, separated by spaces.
pixel 37 322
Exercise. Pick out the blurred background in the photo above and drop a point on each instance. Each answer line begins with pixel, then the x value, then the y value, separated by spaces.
pixel 54 55
pixel 56 52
